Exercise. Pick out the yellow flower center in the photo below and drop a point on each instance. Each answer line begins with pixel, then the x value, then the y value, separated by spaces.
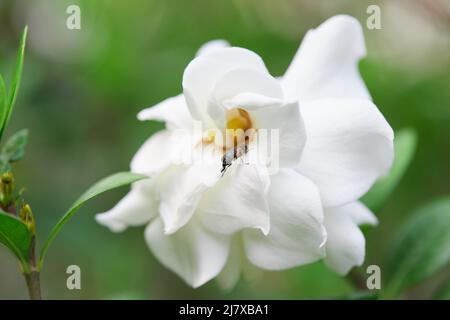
pixel 237 131
pixel 238 119
pixel 238 122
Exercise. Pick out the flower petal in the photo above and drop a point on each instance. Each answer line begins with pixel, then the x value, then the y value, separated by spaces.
pixel 237 201
pixel 172 111
pixel 360 214
pixel 237 57
pixel 153 155
pixel 181 187
pixel 284 126
pixel 242 82
pixel 211 46
pixel 135 209
pixel 345 247
pixel 194 253
pixel 349 146
pixel 326 64
pixel 231 272
pixel 296 234
pixel 202 73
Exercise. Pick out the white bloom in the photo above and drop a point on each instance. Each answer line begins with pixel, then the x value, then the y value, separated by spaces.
pixel 333 145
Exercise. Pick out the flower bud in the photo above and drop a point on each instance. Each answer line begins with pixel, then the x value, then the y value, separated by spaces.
pixel 7 188
pixel 26 215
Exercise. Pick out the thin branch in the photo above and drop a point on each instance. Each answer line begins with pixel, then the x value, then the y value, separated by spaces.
pixel 33 278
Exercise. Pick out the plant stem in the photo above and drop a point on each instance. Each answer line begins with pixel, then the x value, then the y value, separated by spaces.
pixel 34 285
pixel 33 278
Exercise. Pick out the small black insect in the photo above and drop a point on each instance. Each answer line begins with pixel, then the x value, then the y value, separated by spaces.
pixel 232 155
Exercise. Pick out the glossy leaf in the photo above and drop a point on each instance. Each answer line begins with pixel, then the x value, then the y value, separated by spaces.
pixel 421 248
pixel 404 149
pixel 14 234
pixel 106 184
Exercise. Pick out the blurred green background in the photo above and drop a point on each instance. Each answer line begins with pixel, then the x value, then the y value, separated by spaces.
pixel 81 91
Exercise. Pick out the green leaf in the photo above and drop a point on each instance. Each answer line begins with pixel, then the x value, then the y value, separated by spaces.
pixel 6 113
pixel 404 148
pixel 14 234
pixel 14 148
pixel 106 184
pixel 421 248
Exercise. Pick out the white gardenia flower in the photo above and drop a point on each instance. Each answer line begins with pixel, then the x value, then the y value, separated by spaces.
pixel 333 145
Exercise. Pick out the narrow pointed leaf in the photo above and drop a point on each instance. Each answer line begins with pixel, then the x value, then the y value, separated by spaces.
pixel 404 147
pixel 106 184
pixel 14 234
pixel 14 88
pixel 3 100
